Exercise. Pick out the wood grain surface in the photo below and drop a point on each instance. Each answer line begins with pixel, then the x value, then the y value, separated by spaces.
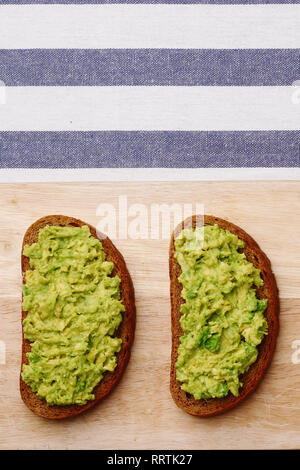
pixel 140 413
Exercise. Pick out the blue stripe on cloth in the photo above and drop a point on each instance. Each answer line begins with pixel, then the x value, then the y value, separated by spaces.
pixel 144 149
pixel 190 67
pixel 153 2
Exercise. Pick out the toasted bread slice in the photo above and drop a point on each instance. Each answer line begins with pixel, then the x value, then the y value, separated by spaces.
pixel 125 330
pixel 251 379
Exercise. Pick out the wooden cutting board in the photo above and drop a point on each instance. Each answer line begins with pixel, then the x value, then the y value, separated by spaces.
pixel 140 412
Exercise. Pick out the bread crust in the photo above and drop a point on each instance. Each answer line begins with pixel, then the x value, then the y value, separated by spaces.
pixel 251 379
pixel 125 330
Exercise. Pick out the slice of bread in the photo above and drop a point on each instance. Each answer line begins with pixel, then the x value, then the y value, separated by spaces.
pixel 251 379
pixel 125 330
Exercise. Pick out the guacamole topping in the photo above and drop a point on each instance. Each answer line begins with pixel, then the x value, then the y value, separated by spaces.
pixel 74 309
pixel 222 318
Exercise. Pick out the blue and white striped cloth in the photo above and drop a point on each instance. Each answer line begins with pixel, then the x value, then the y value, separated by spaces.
pixel 189 85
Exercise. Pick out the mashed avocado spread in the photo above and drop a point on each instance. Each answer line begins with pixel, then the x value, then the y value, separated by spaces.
pixel 222 318
pixel 74 309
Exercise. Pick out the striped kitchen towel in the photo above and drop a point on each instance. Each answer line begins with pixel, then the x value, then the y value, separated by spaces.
pixel 146 84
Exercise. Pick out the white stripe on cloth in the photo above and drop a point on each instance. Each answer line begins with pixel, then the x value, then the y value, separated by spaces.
pixel 149 26
pixel 46 175
pixel 150 108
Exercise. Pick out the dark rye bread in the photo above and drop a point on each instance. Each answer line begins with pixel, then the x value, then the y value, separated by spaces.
pixel 125 330
pixel 251 379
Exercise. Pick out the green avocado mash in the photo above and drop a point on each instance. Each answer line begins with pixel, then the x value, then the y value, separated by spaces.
pixel 74 309
pixel 222 319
